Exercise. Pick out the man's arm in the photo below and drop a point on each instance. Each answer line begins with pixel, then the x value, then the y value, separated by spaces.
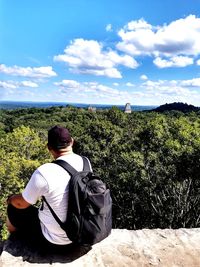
pixel 18 201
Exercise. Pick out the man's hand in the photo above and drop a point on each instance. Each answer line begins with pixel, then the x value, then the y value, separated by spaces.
pixel 18 201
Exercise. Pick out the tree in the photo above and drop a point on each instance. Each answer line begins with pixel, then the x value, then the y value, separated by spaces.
pixel 21 153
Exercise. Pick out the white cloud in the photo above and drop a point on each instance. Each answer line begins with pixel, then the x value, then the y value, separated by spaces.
pixel 176 61
pixel 168 91
pixel 178 41
pixel 111 72
pixel 109 28
pixel 143 77
pixel 16 84
pixel 28 84
pixel 138 25
pixel 92 92
pixel 191 83
pixel 137 38
pixel 198 62
pixel 179 37
pixel 116 84
pixel 88 57
pixel 130 84
pixel 40 72
pixel 68 83
pixel 149 92
pixel 7 85
pixel 180 88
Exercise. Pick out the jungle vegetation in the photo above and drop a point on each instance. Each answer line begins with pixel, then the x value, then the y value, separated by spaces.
pixel 149 160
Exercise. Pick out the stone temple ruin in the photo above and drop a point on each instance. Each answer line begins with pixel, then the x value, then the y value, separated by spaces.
pixel 127 108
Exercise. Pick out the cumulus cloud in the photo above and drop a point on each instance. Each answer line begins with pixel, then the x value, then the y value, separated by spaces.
pixel 173 45
pixel 89 57
pixel 84 86
pixel 177 61
pixel 191 83
pixel 116 84
pixel 28 84
pixel 37 72
pixel 68 84
pixel 137 38
pixel 109 28
pixel 167 91
pixel 143 77
pixel 17 84
pixel 90 92
pixel 198 62
pixel 154 92
pixel 180 88
pixel 7 85
pixel 129 84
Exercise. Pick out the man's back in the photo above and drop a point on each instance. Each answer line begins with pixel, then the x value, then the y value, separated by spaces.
pixel 51 181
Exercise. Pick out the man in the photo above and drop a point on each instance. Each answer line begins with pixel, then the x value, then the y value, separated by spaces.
pixel 51 181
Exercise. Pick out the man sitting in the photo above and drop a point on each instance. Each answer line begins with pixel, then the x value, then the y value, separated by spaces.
pixel 51 181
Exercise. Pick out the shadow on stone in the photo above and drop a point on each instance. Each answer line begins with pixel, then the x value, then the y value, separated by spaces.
pixel 19 246
pixel 1 246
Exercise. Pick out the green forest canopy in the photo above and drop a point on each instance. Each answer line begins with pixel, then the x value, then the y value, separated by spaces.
pixel 150 161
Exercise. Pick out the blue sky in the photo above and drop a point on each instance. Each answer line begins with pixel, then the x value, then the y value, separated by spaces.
pixel 100 52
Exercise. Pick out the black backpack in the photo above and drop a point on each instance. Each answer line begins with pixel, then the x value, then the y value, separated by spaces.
pixel 89 216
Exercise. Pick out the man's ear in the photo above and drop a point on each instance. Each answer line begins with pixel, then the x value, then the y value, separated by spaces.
pixel 72 141
pixel 49 147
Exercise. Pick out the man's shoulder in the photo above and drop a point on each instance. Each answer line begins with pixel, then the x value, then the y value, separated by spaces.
pixel 46 167
pixel 74 160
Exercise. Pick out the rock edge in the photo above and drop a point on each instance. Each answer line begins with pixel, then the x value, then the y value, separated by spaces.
pixel 140 248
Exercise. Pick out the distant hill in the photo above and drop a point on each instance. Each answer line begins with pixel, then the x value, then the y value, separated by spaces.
pixel 176 106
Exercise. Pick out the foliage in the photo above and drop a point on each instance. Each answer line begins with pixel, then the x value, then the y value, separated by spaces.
pixel 183 107
pixel 20 154
pixel 150 161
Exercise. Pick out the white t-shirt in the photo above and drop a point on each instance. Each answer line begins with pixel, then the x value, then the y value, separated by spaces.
pixel 51 181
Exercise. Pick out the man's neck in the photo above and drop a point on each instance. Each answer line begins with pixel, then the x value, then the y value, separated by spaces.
pixel 63 153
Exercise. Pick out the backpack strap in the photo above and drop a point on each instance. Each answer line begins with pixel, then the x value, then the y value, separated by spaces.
pixel 71 171
pixel 65 166
pixel 53 213
pixel 86 165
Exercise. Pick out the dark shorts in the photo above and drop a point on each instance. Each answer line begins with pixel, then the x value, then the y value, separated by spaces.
pixel 26 221
pixel 28 227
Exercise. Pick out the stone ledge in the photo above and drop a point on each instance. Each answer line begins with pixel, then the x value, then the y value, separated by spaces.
pixel 141 248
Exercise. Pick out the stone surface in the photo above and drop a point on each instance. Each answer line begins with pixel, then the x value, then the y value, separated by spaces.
pixel 141 248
